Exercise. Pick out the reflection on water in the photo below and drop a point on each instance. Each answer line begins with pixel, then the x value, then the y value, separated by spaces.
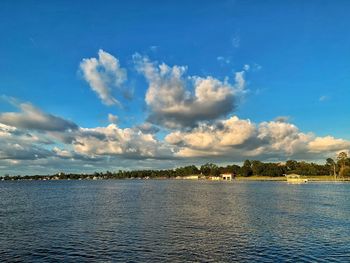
pixel 174 220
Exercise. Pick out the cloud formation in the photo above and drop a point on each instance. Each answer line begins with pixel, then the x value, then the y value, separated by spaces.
pixel 148 128
pixel 328 143
pixel 176 100
pixel 33 118
pixel 195 110
pixel 72 149
pixel 239 139
pixel 104 74
pixel 112 140
pixel 18 145
pixel 231 139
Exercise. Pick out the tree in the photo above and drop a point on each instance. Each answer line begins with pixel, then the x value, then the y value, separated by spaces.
pixel 257 167
pixel 291 165
pixel 332 167
pixel 246 169
pixel 346 171
pixel 342 159
pixel 232 169
pixel 210 169
pixel 187 170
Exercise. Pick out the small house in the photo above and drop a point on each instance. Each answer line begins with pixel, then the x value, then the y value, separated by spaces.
pixel 226 177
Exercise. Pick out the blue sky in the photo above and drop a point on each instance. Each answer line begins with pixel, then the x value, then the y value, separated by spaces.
pixel 294 56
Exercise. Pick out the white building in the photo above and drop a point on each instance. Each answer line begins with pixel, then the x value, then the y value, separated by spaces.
pixel 226 177
pixel 191 177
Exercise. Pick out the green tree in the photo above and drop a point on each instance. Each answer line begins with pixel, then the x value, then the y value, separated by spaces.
pixel 210 169
pixel 330 163
pixel 257 167
pixel 346 172
pixel 342 159
pixel 232 169
pixel 246 169
pixel 291 165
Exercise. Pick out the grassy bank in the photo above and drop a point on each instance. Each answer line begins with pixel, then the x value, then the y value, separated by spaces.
pixel 261 178
pixel 311 178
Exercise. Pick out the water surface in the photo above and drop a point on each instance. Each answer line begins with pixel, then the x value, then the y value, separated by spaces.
pixel 174 221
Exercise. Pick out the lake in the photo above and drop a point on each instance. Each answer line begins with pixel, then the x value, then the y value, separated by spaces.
pixel 174 221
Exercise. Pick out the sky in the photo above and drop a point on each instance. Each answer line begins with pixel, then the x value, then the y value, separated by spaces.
pixel 109 85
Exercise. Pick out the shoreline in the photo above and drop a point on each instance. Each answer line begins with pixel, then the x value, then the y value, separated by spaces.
pixel 311 178
pixel 326 179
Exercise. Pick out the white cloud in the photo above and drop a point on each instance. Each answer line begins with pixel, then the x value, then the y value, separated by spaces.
pixel 16 145
pixel 112 140
pixel 328 144
pixel 232 139
pixel 33 134
pixel 176 100
pixel 282 138
pixel 242 139
pixel 103 75
pixel 208 137
pixel 207 140
pixel 148 128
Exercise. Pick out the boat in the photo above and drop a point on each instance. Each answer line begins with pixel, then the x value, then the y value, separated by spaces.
pixel 295 179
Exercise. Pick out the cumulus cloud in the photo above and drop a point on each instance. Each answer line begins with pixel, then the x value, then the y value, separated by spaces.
pixel 148 128
pixel 103 75
pixel 67 153
pixel 84 144
pixel 19 145
pixel 176 100
pixel 231 139
pixel 239 139
pixel 33 118
pixel 212 140
pixel 281 138
pixel 328 143
pixel 112 140
pixel 217 137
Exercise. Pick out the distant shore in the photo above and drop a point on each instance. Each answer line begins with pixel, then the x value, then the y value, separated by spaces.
pixel 311 178
pixel 314 178
pixel 251 170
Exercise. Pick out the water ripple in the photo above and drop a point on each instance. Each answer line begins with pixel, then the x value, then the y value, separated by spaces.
pixel 173 221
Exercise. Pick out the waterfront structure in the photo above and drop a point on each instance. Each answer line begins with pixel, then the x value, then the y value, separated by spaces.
pixel 215 178
pixel 295 179
pixel 191 177
pixel 226 177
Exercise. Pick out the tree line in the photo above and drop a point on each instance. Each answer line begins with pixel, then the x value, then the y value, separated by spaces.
pixel 337 168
